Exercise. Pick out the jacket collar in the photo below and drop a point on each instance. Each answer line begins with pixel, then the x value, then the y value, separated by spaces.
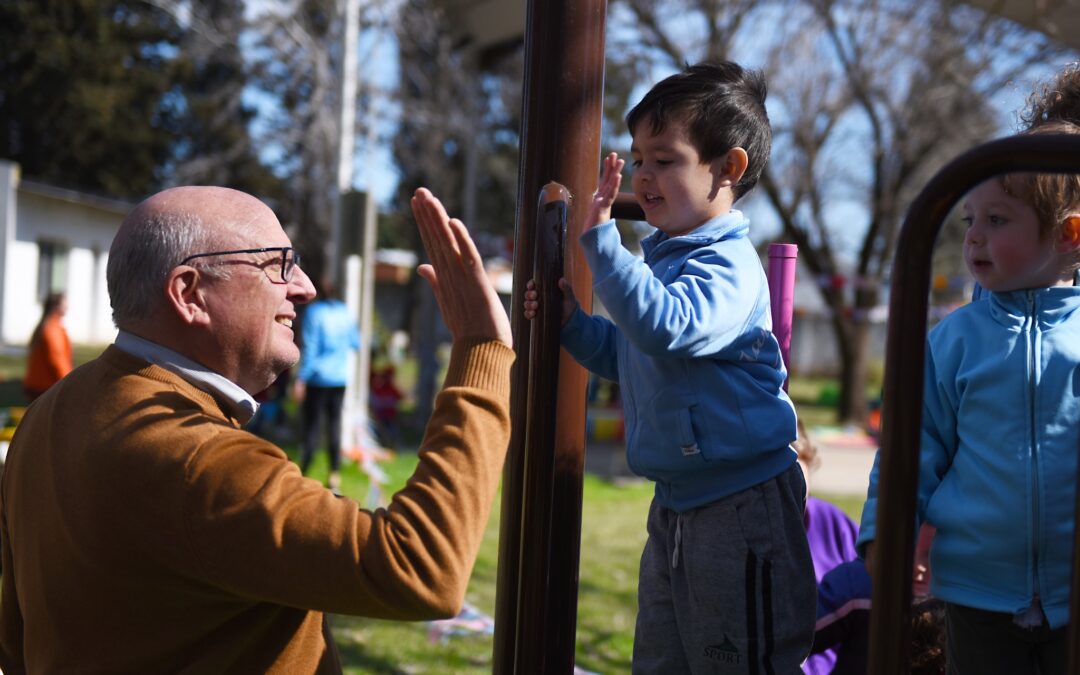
pixel 238 402
pixel 730 225
pixel 1049 306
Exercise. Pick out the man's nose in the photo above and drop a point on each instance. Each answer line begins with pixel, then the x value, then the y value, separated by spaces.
pixel 301 290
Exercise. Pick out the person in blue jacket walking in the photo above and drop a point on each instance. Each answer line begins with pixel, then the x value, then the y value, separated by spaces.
pixel 328 335
pixel 1001 428
pixel 726 580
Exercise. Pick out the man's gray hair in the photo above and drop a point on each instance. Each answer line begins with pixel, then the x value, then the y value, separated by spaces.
pixel 140 262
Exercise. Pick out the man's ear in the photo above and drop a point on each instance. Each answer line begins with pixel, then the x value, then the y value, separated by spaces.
pixel 731 167
pixel 184 295
pixel 1070 234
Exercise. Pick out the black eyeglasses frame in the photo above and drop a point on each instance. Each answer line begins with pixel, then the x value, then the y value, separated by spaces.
pixel 287 264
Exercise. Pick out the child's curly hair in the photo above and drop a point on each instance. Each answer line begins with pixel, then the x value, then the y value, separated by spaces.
pixel 806 448
pixel 1058 99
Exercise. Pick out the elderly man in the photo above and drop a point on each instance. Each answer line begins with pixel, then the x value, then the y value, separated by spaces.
pixel 144 531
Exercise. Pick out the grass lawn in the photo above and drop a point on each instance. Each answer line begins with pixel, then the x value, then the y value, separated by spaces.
pixel 612 534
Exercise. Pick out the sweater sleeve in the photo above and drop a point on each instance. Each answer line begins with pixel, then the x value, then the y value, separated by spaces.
pixel 262 531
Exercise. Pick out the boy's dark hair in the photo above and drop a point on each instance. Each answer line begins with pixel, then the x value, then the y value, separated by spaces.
pixel 723 107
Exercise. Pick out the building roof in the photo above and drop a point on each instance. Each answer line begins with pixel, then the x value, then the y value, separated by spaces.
pixel 488 24
pixel 75 197
pixel 1060 19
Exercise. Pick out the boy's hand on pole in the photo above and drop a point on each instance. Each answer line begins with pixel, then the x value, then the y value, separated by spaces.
pixel 532 300
pixel 610 180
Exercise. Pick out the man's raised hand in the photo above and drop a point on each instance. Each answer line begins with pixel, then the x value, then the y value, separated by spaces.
pixel 470 306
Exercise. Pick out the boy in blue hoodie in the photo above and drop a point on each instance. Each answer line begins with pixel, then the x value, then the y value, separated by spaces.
pixel 726 581
pixel 1001 427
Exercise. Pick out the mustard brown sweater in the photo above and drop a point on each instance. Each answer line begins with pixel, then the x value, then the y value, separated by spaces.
pixel 142 531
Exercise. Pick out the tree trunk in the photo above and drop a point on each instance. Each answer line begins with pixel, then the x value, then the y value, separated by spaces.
pixel 853 339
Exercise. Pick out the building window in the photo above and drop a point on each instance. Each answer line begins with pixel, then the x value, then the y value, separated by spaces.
pixel 52 268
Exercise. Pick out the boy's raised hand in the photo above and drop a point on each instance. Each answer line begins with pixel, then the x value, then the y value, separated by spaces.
pixel 532 300
pixel 610 180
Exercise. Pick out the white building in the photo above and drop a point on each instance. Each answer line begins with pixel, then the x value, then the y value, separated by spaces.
pixel 53 239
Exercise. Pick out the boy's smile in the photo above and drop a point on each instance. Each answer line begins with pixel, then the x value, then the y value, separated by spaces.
pixel 675 189
pixel 1004 248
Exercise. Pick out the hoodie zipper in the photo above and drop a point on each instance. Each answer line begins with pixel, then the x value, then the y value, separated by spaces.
pixel 1032 338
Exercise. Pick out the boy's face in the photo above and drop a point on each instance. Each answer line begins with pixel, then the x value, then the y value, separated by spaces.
pixel 1003 247
pixel 675 189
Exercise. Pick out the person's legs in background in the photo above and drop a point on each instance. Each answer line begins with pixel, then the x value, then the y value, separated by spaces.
pixel 310 422
pixel 333 398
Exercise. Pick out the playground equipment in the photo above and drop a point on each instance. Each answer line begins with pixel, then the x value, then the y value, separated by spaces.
pixel 540 530
pixel 536 602
pixel 902 398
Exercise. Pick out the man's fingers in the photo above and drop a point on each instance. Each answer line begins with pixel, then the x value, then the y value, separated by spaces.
pixel 465 246
pixel 428 273
pixel 421 209
pixel 439 240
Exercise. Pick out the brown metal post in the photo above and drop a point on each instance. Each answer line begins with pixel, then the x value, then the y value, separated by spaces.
pixel 902 399
pixel 536 597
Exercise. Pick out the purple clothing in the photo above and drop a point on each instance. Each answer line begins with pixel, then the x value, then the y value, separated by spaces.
pixel 832 536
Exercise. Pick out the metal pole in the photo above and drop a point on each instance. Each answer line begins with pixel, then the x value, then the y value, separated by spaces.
pixel 353 273
pixel 903 389
pixel 536 600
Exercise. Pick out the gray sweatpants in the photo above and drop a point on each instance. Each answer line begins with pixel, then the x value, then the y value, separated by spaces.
pixel 728 587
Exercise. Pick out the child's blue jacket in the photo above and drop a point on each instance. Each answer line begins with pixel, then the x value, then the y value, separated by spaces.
pixel 1000 435
pixel 692 349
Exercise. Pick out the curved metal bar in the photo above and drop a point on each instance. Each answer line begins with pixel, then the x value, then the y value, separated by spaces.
pixel 905 351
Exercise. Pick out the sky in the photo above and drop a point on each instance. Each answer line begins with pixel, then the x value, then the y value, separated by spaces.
pixel 375 170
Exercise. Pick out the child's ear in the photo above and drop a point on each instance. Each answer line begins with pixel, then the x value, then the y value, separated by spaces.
pixel 1070 234
pixel 731 167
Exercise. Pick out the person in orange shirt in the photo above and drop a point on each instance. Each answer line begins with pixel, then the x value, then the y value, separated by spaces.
pixel 49 358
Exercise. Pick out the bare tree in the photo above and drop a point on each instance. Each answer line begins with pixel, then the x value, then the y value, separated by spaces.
pixel 868 99
pixel 213 140
pixel 442 117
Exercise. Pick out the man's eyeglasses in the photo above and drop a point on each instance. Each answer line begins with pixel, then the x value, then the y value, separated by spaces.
pixel 288 261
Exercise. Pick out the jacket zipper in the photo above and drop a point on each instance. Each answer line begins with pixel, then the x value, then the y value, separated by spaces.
pixel 1032 338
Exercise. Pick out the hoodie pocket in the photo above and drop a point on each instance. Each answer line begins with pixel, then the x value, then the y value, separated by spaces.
pixel 683 424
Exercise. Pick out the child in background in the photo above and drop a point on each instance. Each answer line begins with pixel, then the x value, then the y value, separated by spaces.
pixel 726 580
pixel 830 532
pixel 383 399
pixel 1001 427
pixel 49 356
pixel 831 535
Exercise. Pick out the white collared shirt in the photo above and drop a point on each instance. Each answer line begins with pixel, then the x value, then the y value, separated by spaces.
pixel 241 403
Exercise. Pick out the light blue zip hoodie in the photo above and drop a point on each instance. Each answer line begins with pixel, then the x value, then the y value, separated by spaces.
pixel 1000 435
pixel 692 349
pixel 328 334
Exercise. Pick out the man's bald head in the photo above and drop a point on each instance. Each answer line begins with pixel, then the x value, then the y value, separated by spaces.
pixel 166 228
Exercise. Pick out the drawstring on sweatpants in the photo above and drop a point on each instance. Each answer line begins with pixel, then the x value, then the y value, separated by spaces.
pixel 678 540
